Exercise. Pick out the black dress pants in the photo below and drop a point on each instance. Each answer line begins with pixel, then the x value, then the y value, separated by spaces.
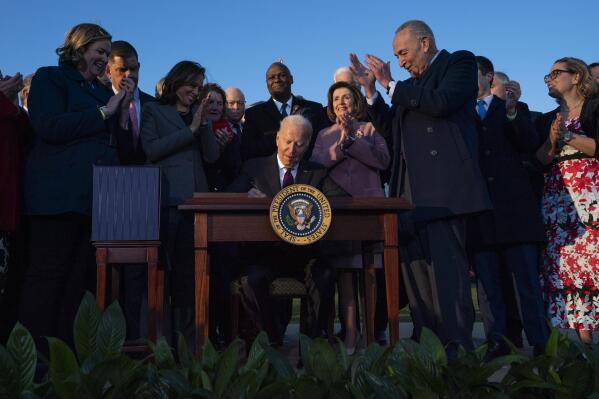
pixel 435 268
pixel 272 314
pixel 61 269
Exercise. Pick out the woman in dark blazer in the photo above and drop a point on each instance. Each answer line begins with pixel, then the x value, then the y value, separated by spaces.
pixel 176 136
pixel 75 118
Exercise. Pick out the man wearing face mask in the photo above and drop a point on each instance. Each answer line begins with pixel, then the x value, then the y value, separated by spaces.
pixel 123 71
pixel 262 120
pixel 435 167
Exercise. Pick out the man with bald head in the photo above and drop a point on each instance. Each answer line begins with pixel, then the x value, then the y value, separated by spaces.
pixel 235 103
pixel 265 177
pixel 262 120
pixel 435 166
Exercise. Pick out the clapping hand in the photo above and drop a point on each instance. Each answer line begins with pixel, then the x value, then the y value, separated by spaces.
pixel 512 95
pixel 363 75
pixel 223 137
pixel 199 117
pixel 556 131
pixel 11 85
pixel 380 69
pixel 346 122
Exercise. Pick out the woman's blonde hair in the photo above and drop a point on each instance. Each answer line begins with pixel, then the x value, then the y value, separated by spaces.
pixel 76 42
pixel 587 87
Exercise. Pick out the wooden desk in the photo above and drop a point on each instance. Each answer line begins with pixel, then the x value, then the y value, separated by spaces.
pixel 227 217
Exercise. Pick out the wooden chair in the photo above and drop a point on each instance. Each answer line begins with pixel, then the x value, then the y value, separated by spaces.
pixel 125 231
pixel 121 254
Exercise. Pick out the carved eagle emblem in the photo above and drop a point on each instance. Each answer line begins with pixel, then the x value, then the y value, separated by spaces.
pixel 301 212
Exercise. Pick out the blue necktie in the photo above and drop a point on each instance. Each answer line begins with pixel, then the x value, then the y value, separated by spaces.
pixel 480 108
pixel 284 110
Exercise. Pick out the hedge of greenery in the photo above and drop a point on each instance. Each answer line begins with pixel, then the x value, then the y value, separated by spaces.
pixel 98 369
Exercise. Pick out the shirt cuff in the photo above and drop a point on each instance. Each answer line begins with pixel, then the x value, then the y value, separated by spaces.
pixel 370 101
pixel 391 88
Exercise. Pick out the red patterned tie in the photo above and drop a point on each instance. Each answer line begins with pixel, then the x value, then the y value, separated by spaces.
pixel 287 178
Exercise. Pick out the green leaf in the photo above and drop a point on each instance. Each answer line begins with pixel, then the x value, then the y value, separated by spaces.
pixel 176 382
pixel 324 362
pixel 552 343
pixel 432 344
pixel 22 349
pixel 279 363
pixel 381 388
pixel 86 327
pixel 8 375
pixel 111 331
pixel 275 390
pixel 343 358
pixel 209 355
pixel 206 382
pixel 307 388
pixel 305 345
pixel 64 371
pixel 183 351
pixel 257 353
pixel 163 354
pixel 226 366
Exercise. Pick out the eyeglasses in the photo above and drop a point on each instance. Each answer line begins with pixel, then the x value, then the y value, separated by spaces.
pixel 233 103
pixel 554 74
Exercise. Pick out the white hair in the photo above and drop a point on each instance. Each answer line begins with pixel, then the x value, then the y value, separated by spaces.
pixel 297 120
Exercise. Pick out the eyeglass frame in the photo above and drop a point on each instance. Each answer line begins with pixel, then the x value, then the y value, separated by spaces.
pixel 554 74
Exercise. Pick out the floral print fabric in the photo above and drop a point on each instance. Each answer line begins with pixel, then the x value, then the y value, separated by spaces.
pixel 570 274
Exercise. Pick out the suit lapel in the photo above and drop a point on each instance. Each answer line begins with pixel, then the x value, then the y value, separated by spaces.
pixel 272 182
pixel 304 175
pixel 494 106
pixel 170 113
pixel 271 109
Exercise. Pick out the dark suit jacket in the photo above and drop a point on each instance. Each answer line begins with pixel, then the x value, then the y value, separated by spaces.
pixel 435 146
pixel 169 143
pixel 516 215
pixel 262 123
pixel 71 136
pixel 263 174
pixel 128 154
pixel 222 172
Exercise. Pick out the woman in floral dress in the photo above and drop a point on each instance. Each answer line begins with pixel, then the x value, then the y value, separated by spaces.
pixel 570 272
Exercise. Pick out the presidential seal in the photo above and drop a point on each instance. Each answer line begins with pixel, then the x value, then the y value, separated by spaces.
pixel 300 214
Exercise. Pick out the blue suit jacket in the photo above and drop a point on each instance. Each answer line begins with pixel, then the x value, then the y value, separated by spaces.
pixel 70 137
pixel 434 137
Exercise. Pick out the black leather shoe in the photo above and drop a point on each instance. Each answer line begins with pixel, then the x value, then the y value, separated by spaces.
pixel 496 349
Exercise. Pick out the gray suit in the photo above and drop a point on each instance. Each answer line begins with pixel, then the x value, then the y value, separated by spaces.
pixel 169 143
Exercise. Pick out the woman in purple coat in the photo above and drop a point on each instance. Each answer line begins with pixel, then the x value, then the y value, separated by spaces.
pixel 355 154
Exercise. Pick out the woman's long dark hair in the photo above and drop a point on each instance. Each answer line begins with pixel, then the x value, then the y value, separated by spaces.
pixel 183 73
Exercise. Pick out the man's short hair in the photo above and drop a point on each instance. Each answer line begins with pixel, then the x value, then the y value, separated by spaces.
pixel 418 28
pixel 123 49
pixel 484 64
pixel 339 71
pixel 593 65
pixel 502 76
pixel 298 120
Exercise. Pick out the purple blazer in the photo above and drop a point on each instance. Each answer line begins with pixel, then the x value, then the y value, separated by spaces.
pixel 358 171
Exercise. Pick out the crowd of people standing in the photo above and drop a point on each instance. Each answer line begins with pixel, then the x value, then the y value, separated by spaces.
pixel 511 199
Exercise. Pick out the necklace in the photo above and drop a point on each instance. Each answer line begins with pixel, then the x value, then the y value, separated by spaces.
pixel 569 113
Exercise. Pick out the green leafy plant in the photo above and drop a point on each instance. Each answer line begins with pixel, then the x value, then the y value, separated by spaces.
pixel 98 368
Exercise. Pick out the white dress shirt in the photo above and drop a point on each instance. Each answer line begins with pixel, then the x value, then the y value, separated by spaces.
pixel 283 169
